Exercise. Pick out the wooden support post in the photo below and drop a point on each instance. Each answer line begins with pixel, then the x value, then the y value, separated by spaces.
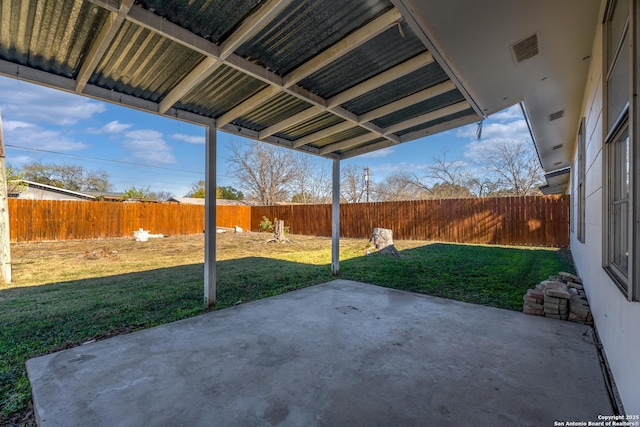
pixel 335 219
pixel 5 247
pixel 210 219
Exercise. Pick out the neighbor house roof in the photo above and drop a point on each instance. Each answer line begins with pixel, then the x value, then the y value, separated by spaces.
pixel 15 188
pixel 329 77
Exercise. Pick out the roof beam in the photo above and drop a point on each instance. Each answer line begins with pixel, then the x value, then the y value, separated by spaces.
pixel 344 46
pixel 407 101
pixel 247 105
pixel 291 121
pixel 249 27
pixel 425 118
pixel 340 127
pixel 381 79
pixel 347 144
pixel 101 44
pixel 409 137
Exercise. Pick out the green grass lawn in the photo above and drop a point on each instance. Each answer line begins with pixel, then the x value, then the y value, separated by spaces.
pixel 71 292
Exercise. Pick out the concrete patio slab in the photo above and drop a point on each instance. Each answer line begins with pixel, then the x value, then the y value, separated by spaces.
pixel 338 354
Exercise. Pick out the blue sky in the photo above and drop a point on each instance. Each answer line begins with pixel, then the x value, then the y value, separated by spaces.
pixel 147 150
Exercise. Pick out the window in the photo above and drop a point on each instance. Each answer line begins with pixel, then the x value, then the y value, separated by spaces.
pixel 618 163
pixel 618 206
pixel 580 191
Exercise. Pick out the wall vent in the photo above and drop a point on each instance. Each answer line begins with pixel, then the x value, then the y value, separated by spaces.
pixel 525 48
pixel 556 115
pixel 556 147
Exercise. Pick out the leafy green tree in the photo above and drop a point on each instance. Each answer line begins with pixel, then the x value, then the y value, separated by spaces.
pixel 70 177
pixel 229 193
pixel 140 194
pixel 197 190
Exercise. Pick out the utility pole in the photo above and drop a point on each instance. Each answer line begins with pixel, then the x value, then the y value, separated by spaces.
pixel 366 180
pixel 5 248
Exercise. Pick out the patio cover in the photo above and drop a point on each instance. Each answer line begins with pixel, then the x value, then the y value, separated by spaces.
pixel 332 78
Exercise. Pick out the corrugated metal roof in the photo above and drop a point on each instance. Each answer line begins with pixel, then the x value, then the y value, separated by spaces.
pixel 274 111
pixel 354 132
pixel 391 48
pixel 363 144
pixel 164 56
pixel 420 79
pixel 432 123
pixel 143 64
pixel 426 106
pixel 220 92
pixel 49 35
pixel 315 124
pixel 306 28
pixel 211 19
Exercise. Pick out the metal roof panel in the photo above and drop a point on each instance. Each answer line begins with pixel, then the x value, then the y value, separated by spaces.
pixel 306 28
pixel 144 64
pixel 465 113
pixel 423 78
pixel 308 127
pixel 49 35
pixel 274 111
pixel 389 49
pixel 221 91
pixel 426 106
pixel 211 19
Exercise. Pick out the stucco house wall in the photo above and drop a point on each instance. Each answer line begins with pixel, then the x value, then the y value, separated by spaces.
pixel 617 319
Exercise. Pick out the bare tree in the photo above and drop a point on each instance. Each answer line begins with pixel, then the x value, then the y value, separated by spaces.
pixel 401 186
pixel 352 184
pixel 515 167
pixel 312 183
pixel 453 173
pixel 263 170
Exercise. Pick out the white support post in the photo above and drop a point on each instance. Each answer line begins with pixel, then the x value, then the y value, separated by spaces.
pixel 335 219
pixel 5 247
pixel 210 219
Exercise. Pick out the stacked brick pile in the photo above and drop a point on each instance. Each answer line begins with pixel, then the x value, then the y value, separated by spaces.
pixel 560 297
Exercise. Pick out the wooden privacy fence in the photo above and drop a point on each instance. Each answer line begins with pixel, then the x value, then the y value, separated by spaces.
pixel 520 221
pixel 524 221
pixel 42 220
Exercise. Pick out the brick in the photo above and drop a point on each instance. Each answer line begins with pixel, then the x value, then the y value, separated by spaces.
pixel 552 284
pixel 580 309
pixel 551 306
pixel 533 311
pixel 579 300
pixel 534 305
pixel 558 293
pixel 533 300
pixel 535 293
pixel 569 277
pixel 574 285
pixel 552 300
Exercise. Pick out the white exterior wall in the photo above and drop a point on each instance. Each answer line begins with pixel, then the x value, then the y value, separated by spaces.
pixel 617 320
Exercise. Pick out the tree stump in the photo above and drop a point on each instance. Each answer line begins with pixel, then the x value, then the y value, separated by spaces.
pixel 278 233
pixel 382 240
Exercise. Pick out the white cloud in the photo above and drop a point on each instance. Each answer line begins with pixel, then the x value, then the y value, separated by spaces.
pixel 378 153
pixel 476 150
pixel 191 139
pixel 148 146
pixel 27 135
pixel 38 104
pixel 112 128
